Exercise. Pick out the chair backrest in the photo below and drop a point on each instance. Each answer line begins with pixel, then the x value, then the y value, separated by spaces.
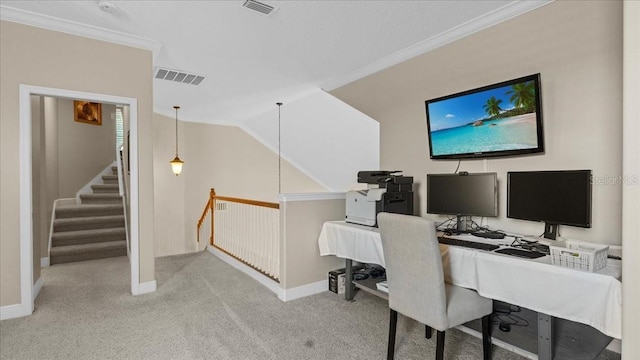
pixel 414 268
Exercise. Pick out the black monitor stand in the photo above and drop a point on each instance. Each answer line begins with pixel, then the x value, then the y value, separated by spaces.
pixel 550 231
pixel 461 223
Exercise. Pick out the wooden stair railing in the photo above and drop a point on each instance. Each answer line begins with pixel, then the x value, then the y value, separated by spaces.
pixel 247 230
pixel 208 209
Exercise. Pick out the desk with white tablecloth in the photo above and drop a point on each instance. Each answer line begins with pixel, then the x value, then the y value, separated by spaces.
pixel 553 291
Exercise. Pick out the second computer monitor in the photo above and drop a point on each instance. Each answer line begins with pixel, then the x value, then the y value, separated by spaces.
pixel 462 195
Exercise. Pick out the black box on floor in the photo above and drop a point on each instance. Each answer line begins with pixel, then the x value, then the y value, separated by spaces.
pixel 337 279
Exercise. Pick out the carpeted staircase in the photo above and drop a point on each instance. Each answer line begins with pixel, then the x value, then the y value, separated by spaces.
pixel 94 229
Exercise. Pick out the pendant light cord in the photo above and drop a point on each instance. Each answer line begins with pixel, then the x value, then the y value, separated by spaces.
pixel 176 107
pixel 279 153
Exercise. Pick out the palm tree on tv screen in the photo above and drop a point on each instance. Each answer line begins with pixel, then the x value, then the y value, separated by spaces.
pixel 523 96
pixel 492 107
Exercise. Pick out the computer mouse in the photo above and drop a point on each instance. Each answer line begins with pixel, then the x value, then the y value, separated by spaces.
pixel 504 327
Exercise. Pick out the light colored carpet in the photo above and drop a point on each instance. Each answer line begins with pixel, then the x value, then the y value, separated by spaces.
pixel 205 309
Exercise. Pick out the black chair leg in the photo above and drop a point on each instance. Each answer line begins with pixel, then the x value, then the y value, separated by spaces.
pixel 393 321
pixel 440 345
pixel 428 332
pixel 486 337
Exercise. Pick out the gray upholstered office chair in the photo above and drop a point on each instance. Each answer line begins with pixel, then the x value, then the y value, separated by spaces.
pixel 416 283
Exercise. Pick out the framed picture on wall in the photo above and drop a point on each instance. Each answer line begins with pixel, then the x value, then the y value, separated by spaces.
pixel 87 112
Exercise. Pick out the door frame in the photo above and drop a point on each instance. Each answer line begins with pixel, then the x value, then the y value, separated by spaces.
pixel 26 191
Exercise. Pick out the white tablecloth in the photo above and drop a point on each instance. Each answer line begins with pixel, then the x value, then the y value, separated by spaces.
pixel 589 298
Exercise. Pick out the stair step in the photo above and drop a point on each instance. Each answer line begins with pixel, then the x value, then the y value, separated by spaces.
pixel 84 210
pixel 73 253
pixel 110 179
pixel 105 188
pixel 66 238
pixel 101 198
pixel 88 223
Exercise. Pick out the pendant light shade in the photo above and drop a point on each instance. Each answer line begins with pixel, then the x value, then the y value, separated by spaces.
pixel 176 163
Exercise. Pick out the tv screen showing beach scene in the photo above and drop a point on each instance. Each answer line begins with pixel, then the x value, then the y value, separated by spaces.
pixel 503 119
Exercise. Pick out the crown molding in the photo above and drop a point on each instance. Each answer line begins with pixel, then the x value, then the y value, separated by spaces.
pixel 24 17
pixel 495 17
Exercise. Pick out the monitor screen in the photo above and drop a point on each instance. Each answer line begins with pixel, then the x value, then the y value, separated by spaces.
pixel 554 197
pixel 503 119
pixel 463 194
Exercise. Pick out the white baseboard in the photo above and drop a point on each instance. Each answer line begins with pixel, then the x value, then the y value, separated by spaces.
pixel 283 294
pixel 615 345
pixel 304 290
pixel 36 288
pixel 18 310
pixel 44 262
pixel 257 276
pixel 145 288
pixel 13 311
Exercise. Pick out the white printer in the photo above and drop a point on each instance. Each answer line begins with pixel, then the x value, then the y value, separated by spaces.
pixel 387 191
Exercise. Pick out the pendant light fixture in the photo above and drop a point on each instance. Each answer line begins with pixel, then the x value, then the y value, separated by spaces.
pixel 176 163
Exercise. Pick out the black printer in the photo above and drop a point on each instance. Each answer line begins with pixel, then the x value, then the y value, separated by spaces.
pixel 387 191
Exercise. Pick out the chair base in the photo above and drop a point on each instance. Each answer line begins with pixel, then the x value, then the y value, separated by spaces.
pixel 486 337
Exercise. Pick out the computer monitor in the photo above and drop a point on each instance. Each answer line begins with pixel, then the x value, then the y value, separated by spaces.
pixel 553 197
pixel 463 195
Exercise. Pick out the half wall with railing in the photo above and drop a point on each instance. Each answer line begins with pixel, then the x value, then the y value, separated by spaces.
pixel 274 243
pixel 247 230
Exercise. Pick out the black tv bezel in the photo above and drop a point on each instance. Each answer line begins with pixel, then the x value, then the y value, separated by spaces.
pixel 587 224
pixel 494 175
pixel 494 153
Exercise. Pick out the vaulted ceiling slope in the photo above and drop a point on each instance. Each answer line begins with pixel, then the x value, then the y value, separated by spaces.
pixel 250 60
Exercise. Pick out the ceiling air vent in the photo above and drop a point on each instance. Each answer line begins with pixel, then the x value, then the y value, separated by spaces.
pixel 178 76
pixel 258 6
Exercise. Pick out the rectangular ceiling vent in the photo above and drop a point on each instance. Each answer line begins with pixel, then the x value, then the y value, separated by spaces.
pixel 258 6
pixel 178 76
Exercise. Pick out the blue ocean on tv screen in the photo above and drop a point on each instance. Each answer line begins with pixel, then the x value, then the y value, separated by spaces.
pixel 512 133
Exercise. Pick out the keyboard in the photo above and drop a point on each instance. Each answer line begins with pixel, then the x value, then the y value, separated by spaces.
pixel 488 234
pixel 520 253
pixel 466 243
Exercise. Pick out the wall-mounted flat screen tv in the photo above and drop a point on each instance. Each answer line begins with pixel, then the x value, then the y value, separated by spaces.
pixel 503 119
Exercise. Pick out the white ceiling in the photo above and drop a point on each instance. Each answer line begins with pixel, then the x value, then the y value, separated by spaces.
pixel 251 60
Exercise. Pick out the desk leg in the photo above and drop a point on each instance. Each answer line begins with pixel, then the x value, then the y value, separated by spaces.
pixel 545 337
pixel 349 289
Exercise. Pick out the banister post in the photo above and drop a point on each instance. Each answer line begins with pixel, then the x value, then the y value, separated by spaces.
pixel 212 201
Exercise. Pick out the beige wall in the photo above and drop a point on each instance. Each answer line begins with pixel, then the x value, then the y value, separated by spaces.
pixel 631 191
pixel 38 57
pixel 577 48
pixel 222 157
pixel 300 224
pixel 84 150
